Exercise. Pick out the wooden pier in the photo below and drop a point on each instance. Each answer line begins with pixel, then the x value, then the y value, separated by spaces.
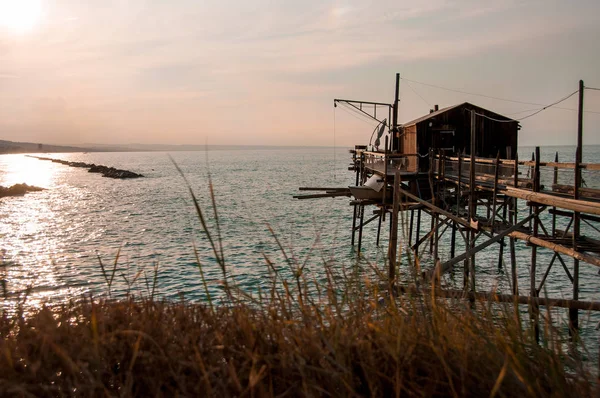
pixel 479 201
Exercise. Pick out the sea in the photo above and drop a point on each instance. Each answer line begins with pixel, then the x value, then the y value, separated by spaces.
pixel 62 243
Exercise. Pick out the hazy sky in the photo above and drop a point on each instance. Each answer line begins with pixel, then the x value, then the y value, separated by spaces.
pixel 266 72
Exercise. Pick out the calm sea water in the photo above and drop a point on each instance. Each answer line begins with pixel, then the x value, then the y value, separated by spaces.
pixel 52 241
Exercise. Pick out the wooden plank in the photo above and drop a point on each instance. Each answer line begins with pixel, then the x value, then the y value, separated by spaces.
pixel 582 206
pixel 322 195
pixel 556 247
pixel 504 298
pixel 570 190
pixel 570 214
pixel 530 163
pixel 324 189
pixel 445 267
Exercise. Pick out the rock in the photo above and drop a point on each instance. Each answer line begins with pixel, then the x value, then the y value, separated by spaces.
pixel 106 171
pixel 18 190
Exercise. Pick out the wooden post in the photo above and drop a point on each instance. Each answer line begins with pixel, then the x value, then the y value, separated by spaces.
pixel 354 224
pixel 383 206
pixel 534 309
pixel 513 255
pixel 361 210
pixel 439 185
pixel 458 196
pixel 395 141
pixel 385 173
pixel 358 171
pixel 433 197
pixel 394 233
pixel 501 250
pixel 516 183
pixel 573 314
pixel 418 231
pixel 531 173
pixel 472 211
pixel 411 226
pixel 513 267
pixel 453 243
pixel 379 228
pixel 554 182
pixel 495 193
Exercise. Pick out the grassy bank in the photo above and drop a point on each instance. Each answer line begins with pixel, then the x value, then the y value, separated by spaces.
pixel 289 345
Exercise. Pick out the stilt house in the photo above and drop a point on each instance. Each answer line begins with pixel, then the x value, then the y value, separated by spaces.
pixel 449 129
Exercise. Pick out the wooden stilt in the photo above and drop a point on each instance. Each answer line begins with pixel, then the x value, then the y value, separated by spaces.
pixel 554 182
pixel 501 250
pixel 513 267
pixel 573 314
pixel 417 233
pixel 534 309
pixel 354 224
pixel 379 225
pixel 394 234
pixel 472 209
pixel 453 241
pixel 361 210
pixel 433 194
pixel 410 228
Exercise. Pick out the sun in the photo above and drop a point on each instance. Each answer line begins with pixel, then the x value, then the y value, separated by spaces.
pixel 19 16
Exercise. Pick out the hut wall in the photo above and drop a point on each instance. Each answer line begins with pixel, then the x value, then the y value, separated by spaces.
pixel 451 131
pixel 409 147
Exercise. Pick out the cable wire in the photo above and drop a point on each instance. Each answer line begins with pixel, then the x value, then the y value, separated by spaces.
pixel 592 88
pixel 528 116
pixel 496 98
pixel 419 95
pixel 468 93
pixel 356 113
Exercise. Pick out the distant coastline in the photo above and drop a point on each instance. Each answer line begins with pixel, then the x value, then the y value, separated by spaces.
pixel 13 147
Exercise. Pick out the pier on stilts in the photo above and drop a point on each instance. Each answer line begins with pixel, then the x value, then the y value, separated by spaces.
pixel 458 168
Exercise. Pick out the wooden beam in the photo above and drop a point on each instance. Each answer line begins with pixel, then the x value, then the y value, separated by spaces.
pixel 445 267
pixel 504 298
pixel 556 247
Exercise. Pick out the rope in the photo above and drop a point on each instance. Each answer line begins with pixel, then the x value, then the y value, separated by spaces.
pixel 528 116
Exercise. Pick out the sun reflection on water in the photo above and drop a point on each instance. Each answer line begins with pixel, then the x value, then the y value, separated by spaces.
pixel 18 169
pixel 27 229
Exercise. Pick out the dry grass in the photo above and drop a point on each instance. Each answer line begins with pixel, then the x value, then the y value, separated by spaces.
pixel 358 348
pixel 343 337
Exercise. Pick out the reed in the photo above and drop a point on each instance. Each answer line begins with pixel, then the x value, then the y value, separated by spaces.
pixel 344 336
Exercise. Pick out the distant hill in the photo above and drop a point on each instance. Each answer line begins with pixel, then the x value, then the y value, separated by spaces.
pixel 29 147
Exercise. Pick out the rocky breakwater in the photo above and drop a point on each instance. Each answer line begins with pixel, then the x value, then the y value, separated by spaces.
pixel 18 190
pixel 106 171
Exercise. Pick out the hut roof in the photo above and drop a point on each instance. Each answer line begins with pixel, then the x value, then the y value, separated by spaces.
pixel 448 108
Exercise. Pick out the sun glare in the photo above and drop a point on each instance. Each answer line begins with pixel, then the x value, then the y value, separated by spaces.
pixel 20 16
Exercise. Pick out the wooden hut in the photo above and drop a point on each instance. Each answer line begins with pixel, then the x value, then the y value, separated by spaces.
pixel 449 129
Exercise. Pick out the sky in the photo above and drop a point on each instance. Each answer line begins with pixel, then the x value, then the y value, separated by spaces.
pixel 266 72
